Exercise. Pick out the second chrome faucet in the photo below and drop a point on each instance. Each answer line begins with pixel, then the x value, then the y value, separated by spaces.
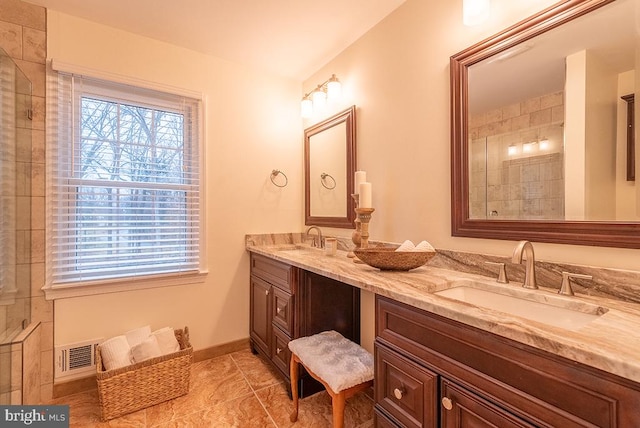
pixel 524 250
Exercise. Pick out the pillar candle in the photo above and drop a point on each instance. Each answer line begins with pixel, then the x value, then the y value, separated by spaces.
pixel 360 177
pixel 365 195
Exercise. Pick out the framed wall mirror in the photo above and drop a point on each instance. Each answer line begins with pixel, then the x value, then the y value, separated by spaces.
pixel 539 128
pixel 329 169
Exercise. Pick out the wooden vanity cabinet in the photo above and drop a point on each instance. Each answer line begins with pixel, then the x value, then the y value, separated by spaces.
pixel 485 380
pixel 287 302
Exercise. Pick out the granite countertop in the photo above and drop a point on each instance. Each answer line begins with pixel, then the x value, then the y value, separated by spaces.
pixel 610 342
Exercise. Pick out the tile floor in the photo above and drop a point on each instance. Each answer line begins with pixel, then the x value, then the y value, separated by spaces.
pixel 234 390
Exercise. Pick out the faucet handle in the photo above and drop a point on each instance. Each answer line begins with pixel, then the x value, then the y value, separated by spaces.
pixel 502 272
pixel 566 288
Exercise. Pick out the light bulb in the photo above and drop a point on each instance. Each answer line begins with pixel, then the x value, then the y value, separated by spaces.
pixel 544 144
pixel 319 98
pixel 512 150
pixel 334 88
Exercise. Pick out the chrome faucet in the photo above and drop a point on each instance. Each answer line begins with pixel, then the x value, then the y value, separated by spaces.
pixel 526 248
pixel 316 243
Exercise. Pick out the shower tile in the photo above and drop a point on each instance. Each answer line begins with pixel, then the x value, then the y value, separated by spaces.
pixel 31 368
pixel 38 107
pixel 551 100
pixel 42 310
pixel 37 212
pixel 23 206
pixel 511 111
pixel 26 14
pixel 36 74
pixel 557 113
pixel 38 147
pixel 11 38
pixel 23 145
pixel 37 179
pixel 541 117
pixel 520 122
pixel 34 46
pixel 530 105
pixel 37 246
pixel 46 366
pixel 37 279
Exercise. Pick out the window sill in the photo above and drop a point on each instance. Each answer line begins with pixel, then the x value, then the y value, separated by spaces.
pixel 129 284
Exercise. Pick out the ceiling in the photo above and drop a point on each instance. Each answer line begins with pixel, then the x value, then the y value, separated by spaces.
pixel 292 38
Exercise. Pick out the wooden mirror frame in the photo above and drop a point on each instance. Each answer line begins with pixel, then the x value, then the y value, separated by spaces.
pixel 595 233
pixel 348 117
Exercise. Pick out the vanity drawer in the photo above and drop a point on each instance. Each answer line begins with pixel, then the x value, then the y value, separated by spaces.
pixel 272 271
pixel 380 420
pixel 405 390
pixel 283 310
pixel 281 355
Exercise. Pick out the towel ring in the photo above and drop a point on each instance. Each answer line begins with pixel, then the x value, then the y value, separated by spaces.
pixel 277 172
pixel 323 177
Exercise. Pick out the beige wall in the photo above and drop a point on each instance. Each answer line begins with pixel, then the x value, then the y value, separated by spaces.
pixel 398 76
pixel 252 126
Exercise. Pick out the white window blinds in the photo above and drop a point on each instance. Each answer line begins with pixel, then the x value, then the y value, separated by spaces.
pixel 124 182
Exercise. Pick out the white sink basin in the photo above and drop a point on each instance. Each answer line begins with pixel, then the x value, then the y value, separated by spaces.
pixel 535 305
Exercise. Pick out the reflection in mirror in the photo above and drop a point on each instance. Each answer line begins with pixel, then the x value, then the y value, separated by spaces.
pixel 539 128
pixel 330 153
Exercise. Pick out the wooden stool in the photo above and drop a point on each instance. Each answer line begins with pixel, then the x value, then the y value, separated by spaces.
pixel 342 366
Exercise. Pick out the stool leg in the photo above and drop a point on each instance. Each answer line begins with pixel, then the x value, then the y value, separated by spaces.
pixel 338 403
pixel 293 373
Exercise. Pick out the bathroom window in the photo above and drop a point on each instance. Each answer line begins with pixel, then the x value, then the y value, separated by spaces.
pixel 124 177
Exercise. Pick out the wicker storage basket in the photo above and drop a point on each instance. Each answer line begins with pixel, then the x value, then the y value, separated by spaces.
pixel 135 387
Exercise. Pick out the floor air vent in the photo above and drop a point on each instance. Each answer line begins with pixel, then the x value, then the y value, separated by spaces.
pixel 76 359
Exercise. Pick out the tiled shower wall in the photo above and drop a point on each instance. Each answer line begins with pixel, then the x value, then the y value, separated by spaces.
pixel 23 37
pixel 518 185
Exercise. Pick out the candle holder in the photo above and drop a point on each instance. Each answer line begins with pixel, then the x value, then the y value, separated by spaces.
pixel 364 215
pixel 355 235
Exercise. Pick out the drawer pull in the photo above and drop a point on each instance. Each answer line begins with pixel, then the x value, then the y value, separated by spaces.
pixel 266 292
pixel 278 350
pixel 278 310
pixel 446 403
pixel 399 393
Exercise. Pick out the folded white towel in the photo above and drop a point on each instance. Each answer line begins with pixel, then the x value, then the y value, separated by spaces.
pixel 406 246
pixel 146 349
pixel 424 246
pixel 115 352
pixel 166 340
pixel 137 335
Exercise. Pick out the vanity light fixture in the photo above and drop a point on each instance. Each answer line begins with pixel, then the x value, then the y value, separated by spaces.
pixel 331 90
pixel 512 150
pixel 544 143
pixel 475 12
pixel 528 147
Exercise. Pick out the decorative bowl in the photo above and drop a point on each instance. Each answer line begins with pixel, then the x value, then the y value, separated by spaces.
pixel 387 258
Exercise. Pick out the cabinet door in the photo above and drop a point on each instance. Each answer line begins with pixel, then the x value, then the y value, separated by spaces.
pixel 280 351
pixel 464 409
pixel 404 390
pixel 282 310
pixel 260 315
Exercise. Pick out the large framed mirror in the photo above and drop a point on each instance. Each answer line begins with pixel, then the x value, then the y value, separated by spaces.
pixel 329 168
pixel 539 128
